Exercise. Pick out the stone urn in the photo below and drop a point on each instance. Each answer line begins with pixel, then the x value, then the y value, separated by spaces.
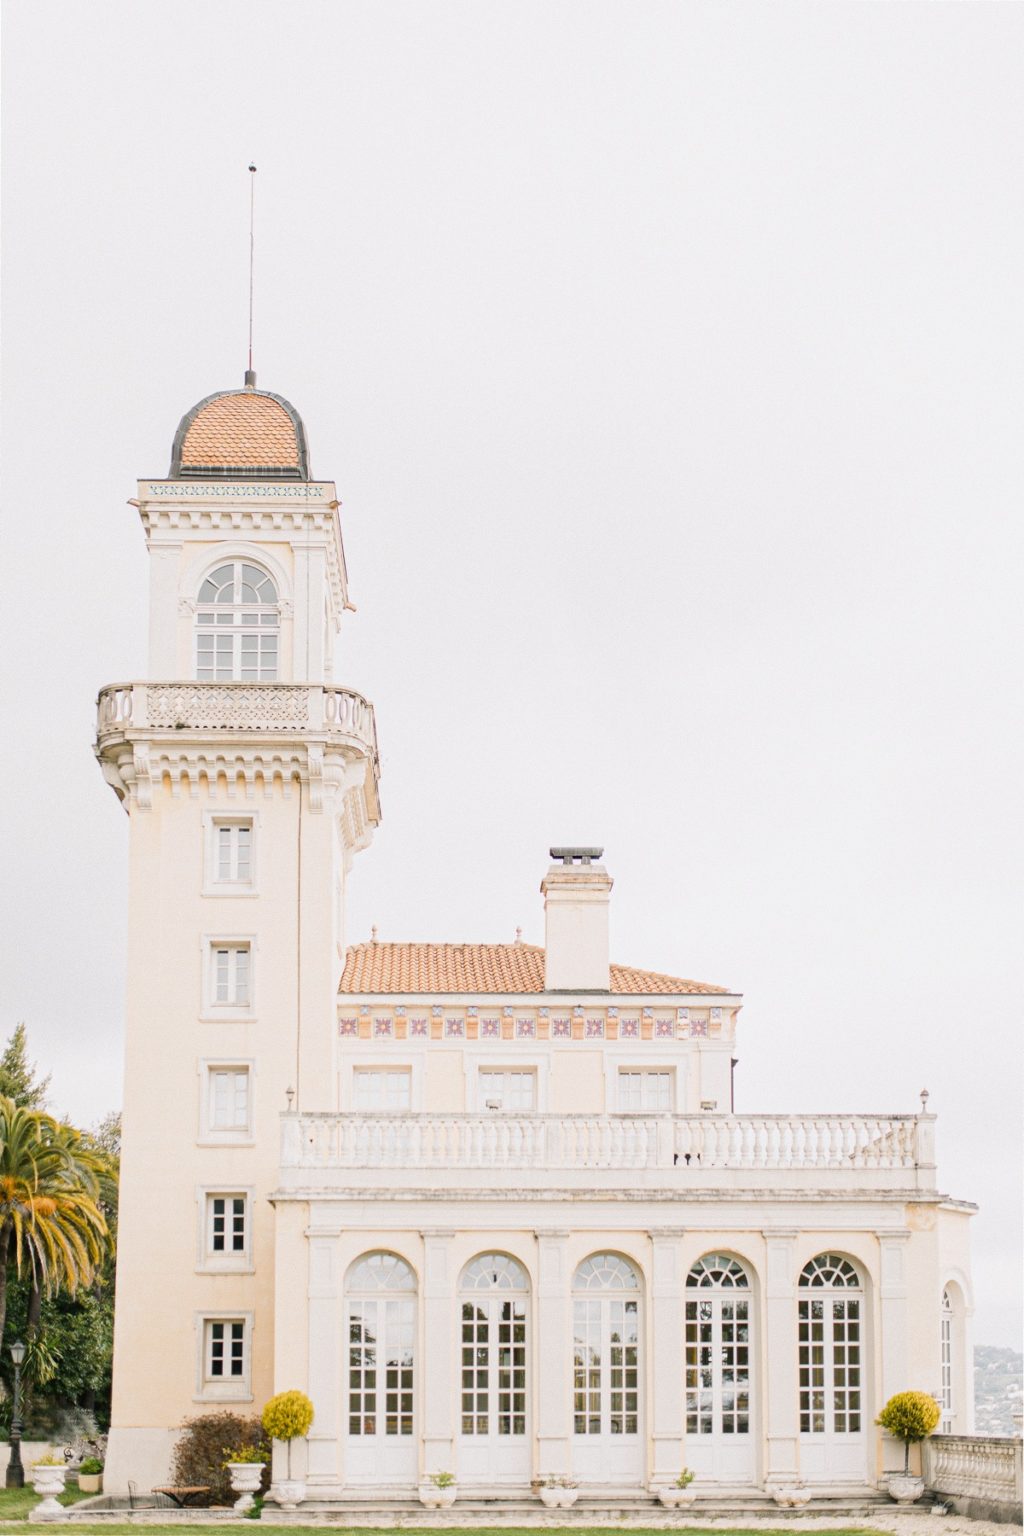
pixel 288 1492
pixel 245 1480
pixel 791 1497
pixel 90 1482
pixel 905 1488
pixel 433 1497
pixel 558 1495
pixel 674 1497
pixel 48 1482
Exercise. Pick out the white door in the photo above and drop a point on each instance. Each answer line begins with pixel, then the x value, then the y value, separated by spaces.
pixel 720 1442
pixel 831 1362
pixel 607 1443
pixel 494 1445
pixel 380 1448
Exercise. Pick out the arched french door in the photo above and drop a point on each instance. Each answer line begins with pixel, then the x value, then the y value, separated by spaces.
pixel 720 1443
pixel 380 1366
pixel 607 1443
pixel 831 1367
pixel 494 1301
pixel 946 1344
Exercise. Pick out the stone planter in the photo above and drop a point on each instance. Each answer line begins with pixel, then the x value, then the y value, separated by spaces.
pixel 433 1497
pixel 288 1492
pixel 554 1496
pixel 245 1479
pixel 48 1482
pixel 90 1482
pixel 792 1497
pixel 676 1498
pixel 905 1488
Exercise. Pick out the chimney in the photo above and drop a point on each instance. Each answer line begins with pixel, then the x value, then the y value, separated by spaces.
pixel 576 890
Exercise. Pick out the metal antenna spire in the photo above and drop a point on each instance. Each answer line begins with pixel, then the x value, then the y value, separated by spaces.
pixel 250 376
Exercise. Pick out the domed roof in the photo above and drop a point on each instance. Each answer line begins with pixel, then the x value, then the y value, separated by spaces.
pixel 241 433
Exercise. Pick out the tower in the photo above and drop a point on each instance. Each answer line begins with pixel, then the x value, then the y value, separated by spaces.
pixel 250 781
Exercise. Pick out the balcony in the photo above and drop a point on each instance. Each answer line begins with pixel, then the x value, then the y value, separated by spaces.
pixel 610 1152
pixel 289 708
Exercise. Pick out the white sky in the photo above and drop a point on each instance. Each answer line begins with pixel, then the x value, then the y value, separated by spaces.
pixel 668 360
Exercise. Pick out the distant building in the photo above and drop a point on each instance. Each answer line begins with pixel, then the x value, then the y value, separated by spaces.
pixel 490 1205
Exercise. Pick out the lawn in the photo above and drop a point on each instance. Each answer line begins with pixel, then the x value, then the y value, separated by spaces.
pixel 15 1503
pixel 23 1528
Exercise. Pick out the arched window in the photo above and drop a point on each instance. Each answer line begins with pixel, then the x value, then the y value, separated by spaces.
pixel 381 1346
pixel 606 1347
pixel 717 1347
pixel 946 1422
pixel 494 1347
pixel 238 622
pixel 830 1342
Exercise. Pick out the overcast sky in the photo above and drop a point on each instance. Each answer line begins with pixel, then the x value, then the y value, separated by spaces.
pixel 668 359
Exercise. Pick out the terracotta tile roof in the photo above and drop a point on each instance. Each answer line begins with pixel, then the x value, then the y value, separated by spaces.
pixel 244 429
pixel 413 968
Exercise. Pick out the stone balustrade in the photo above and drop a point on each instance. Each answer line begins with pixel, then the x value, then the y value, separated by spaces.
pixel 665 1151
pixel 309 708
pixel 979 1474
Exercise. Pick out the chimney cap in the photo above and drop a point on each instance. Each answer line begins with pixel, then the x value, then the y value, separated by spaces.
pixel 575 855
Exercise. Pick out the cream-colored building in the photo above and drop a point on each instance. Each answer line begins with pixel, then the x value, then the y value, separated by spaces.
pixel 490 1205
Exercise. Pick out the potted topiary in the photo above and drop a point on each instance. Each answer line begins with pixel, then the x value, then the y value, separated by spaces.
pixel 910 1417
pixel 246 1468
pixel 675 1495
pixel 438 1490
pixel 48 1475
pixel 90 1475
pixel 288 1417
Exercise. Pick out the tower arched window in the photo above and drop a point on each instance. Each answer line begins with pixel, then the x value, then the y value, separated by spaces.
pixel 238 625
pixel 946 1422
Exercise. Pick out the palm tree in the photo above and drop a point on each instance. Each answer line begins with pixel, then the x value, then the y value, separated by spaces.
pixel 51 1185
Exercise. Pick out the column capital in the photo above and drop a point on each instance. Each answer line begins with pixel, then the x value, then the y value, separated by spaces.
pixel 436 1234
pixel 551 1234
pixel 666 1233
pixel 780 1234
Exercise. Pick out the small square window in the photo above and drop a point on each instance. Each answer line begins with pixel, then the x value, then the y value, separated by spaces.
pixel 646 1092
pixel 388 1089
pixel 510 1091
pixel 229 855
pixel 228 1224
pixel 229 977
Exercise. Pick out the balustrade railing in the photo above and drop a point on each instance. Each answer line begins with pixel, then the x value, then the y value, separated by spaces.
pixel 693 1142
pixel 236 707
pixel 983 1467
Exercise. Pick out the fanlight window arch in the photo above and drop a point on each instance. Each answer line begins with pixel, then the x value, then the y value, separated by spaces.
pixel 830 1270
pixel 238 625
pixel 830 1343
pixel 606 1272
pixel 381 1272
pixel 718 1271
pixel 494 1272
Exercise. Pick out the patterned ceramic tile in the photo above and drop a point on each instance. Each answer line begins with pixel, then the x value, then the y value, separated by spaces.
pixel 526 1029
pixel 490 1029
pixel 383 1029
pixel 594 1029
pixel 561 1029
pixel 348 1026
pixel 629 1029
pixel 664 1029
pixel 419 1028
pixel 455 1029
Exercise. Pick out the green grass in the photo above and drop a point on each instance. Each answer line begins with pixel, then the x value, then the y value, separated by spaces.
pixel 15 1503
pixel 266 1528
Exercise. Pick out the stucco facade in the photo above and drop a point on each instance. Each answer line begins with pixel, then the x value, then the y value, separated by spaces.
pixel 492 1206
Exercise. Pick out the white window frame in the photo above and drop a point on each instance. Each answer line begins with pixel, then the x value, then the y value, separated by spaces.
pixel 656 1061
pixel 476 1061
pixel 208 1261
pixel 213 1011
pixel 213 885
pixel 645 1071
pixel 370 1061
pixel 217 1136
pixel 494 1069
pixel 381 1069
pixel 231 1389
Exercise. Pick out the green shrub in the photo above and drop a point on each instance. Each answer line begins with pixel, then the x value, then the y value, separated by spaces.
pixel 199 1453
pixel 909 1416
pixel 288 1416
pixel 91 1466
pixel 247 1455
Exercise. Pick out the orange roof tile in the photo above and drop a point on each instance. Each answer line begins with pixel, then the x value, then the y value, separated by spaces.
pixel 243 429
pixel 414 968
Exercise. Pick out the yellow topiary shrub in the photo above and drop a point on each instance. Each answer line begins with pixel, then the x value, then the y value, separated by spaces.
pixel 909 1416
pixel 288 1416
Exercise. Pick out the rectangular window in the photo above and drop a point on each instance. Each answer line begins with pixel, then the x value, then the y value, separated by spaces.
pixel 645 1093
pixel 227 1234
pixel 232 975
pixel 229 1108
pixel 233 852
pixel 388 1089
pixel 224 1351
pixel 514 1092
